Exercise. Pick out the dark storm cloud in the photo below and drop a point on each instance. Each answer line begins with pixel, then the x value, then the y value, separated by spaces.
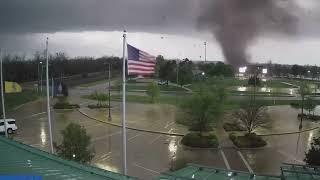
pixel 37 16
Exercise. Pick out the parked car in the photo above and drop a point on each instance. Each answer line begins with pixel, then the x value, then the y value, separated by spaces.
pixel 160 82
pixel 11 126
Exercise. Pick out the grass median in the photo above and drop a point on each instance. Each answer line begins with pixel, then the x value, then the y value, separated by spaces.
pixel 13 100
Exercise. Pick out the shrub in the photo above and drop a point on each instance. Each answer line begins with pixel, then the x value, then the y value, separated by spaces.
pixel 248 141
pixel 197 127
pixel 197 140
pixel 76 144
pixel 233 127
pixel 295 105
pixel 153 91
pixel 204 108
pixel 232 136
pixel 312 156
pixel 97 106
pixel 64 104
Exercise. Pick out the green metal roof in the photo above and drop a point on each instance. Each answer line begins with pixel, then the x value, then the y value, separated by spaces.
pixel 298 172
pixel 193 171
pixel 20 159
pixel 197 172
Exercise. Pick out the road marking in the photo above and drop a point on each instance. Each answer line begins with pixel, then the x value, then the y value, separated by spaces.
pixel 139 134
pixel 104 155
pixel 290 157
pixel 245 162
pixel 225 159
pixel 147 169
pixel 105 136
pixel 168 124
pixel 87 102
pixel 88 126
pixel 155 139
pixel 37 114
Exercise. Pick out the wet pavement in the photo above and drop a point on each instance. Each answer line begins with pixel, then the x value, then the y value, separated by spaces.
pixel 150 154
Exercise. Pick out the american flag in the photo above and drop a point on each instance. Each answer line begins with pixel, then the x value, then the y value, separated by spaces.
pixel 140 62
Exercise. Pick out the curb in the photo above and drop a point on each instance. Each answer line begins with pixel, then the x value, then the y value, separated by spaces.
pixel 286 133
pixel 179 134
pixel 131 128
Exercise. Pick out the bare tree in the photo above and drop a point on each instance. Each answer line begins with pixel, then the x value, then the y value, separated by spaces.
pixel 252 117
pixel 304 90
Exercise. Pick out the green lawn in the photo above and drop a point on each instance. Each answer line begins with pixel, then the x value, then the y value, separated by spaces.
pixel 94 83
pixel 13 100
pixel 278 83
pixel 143 86
pixel 272 94
pixel 164 99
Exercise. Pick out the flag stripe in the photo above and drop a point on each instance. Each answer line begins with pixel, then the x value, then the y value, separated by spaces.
pixel 136 72
pixel 140 67
pixel 140 62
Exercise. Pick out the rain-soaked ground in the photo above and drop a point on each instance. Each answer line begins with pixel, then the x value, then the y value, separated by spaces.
pixel 149 154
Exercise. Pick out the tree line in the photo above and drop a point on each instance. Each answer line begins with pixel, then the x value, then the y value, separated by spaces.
pixel 20 69
pixel 185 71
pixel 295 70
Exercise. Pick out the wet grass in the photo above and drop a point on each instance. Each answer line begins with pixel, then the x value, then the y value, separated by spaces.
pixel 278 84
pixel 94 83
pixel 164 99
pixel 13 100
pixel 143 86
pixel 234 82
pixel 267 94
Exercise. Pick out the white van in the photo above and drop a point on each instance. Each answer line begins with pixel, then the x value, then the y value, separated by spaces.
pixel 11 125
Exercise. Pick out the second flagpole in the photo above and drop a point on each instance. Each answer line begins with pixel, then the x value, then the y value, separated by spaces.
pixel 124 135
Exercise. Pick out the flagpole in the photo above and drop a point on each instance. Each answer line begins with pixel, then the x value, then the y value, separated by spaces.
pixel 124 135
pixel 52 87
pixel 2 98
pixel 48 96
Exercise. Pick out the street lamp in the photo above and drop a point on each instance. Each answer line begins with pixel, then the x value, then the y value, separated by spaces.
pixel 109 92
pixel 40 75
pixel 205 51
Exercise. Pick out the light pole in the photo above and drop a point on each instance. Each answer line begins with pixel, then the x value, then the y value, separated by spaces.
pixel 205 51
pixel 109 92
pixel 2 97
pixel 41 76
pixel 177 81
pixel 39 63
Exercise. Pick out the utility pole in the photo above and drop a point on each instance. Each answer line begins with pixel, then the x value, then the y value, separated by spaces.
pixel 38 78
pixel 52 87
pixel 41 77
pixel 2 97
pixel 109 92
pixel 205 51
pixel 177 81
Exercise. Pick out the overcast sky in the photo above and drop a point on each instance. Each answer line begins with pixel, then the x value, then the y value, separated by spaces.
pixel 167 27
